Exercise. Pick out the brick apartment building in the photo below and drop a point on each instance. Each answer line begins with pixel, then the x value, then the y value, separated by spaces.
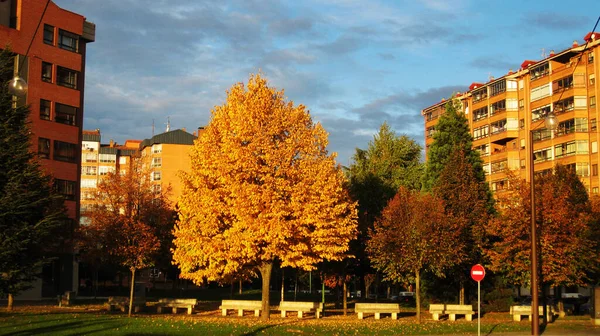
pixel 503 111
pixel 54 69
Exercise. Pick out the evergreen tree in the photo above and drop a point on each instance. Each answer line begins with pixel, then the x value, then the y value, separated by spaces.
pixel 451 132
pixel 389 162
pixel 31 214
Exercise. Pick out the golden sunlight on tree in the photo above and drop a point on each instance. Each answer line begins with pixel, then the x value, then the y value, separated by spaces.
pixel 262 187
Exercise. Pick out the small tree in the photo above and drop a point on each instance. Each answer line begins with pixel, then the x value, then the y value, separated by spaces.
pixel 32 215
pixel 127 219
pixel 412 236
pixel 262 187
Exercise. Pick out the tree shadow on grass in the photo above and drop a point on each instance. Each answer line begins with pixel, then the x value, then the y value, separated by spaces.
pixel 78 328
pixel 263 328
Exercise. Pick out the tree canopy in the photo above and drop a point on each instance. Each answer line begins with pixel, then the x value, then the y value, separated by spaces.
pixel 563 220
pixel 451 133
pixel 262 186
pixel 413 236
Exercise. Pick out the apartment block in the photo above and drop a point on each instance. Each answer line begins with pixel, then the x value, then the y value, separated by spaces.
pixel 169 154
pixel 97 160
pixel 503 112
pixel 50 45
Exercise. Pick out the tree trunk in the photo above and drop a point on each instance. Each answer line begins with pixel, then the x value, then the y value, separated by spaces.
pixel 418 293
pixel 265 272
pixel 461 295
pixel 131 290
pixel 231 291
pixel 345 294
pixel 9 306
pixel 95 284
pixel 240 287
pixel 282 285
pixel 296 286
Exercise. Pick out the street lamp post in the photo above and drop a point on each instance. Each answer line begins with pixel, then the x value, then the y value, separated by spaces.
pixel 551 123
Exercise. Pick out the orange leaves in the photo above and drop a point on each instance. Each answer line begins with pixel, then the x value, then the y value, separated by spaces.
pixel 262 186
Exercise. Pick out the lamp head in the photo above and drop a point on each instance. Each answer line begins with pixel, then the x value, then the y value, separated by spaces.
pixel 17 86
pixel 551 121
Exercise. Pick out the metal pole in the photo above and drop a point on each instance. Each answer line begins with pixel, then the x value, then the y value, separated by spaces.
pixel 478 308
pixel 535 316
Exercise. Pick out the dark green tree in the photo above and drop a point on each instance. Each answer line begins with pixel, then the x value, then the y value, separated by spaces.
pixel 389 162
pixel 31 213
pixel 451 132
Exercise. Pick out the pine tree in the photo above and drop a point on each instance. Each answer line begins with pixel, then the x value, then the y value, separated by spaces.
pixel 31 214
pixel 451 133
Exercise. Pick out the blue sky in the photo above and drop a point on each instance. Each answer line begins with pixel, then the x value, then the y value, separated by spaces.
pixel 354 64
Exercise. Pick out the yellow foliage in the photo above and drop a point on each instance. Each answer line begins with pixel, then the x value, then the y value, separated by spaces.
pixel 262 186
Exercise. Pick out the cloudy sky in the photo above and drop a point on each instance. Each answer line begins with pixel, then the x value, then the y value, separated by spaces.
pixel 354 64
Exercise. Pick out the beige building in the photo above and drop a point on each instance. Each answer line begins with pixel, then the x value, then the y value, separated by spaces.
pixel 169 153
pixel 503 111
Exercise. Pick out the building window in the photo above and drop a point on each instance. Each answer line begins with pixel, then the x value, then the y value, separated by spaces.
pixel 541 92
pixel 542 155
pixel 522 123
pixel 64 151
pixel 541 135
pixel 156 176
pixel 595 170
pixel 108 158
pixel 122 160
pixel 571 148
pixel 89 183
pixel 499 166
pixel 481 132
pixel 68 41
pixel 593 124
pixel 591 57
pixel 89 171
pixel 562 84
pixel 594 147
pixel 430 131
pixel 497 107
pixel 66 77
pixel 497 88
pixel 479 95
pixel 572 126
pixel 47 72
pixel 48 34
pixel 592 79
pixel 156 162
pixel 592 101
pixel 595 190
pixel 564 105
pixel 65 114
pixel 44 148
pixel 156 148
pixel 45 109
pixel 65 188
pixel 480 113
pixel 89 157
pixel 104 170
pixel 539 71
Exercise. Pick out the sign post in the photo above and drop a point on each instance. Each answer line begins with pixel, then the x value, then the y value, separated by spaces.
pixel 478 273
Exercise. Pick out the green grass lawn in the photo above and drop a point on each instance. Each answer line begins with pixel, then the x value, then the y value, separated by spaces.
pixel 47 320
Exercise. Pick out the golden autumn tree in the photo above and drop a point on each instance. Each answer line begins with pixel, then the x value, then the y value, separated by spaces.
pixel 128 220
pixel 413 235
pixel 262 187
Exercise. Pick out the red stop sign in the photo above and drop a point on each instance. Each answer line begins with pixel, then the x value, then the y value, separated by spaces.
pixel 477 272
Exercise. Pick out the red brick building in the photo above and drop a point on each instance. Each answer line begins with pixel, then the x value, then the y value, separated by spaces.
pixel 50 43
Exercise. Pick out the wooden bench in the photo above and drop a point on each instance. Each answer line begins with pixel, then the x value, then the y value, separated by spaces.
pixel 240 306
pixel 175 304
pixel 436 310
pixel 518 311
pixel 453 309
pixel 122 303
pixel 301 307
pixel 377 309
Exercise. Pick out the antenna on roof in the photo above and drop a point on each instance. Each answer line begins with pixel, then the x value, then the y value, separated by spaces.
pixel 544 55
pixel 168 124
pixel 152 127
